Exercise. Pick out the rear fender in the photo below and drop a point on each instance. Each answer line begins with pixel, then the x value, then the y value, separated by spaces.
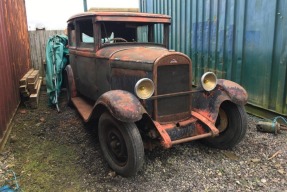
pixel 71 81
pixel 207 103
pixel 123 105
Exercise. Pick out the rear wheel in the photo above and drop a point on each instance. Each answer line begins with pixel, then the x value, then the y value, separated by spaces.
pixel 232 125
pixel 68 91
pixel 121 144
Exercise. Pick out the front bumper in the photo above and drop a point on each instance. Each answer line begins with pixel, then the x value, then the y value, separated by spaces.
pixel 196 127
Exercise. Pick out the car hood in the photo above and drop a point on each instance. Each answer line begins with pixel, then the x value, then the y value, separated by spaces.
pixel 141 53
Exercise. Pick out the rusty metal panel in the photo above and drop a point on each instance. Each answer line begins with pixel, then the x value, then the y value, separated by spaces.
pixel 240 40
pixel 14 57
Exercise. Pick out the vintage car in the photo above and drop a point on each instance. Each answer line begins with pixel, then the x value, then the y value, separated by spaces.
pixel 140 94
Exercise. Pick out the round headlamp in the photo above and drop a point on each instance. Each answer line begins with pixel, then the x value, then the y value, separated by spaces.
pixel 144 88
pixel 208 81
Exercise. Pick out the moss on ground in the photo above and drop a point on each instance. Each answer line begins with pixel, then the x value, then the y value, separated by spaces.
pixel 42 163
pixel 48 166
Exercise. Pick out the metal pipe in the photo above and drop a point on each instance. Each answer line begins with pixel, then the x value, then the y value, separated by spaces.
pixel 174 94
pixel 191 138
pixel 85 5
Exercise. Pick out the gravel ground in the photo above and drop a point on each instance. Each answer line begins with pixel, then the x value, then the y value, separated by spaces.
pixel 58 152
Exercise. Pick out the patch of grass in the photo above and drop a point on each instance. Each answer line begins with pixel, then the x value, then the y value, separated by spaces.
pixel 48 167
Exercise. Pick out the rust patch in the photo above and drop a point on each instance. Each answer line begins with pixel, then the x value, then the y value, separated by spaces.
pixel 71 81
pixel 122 104
pixel 83 52
pixel 194 128
pixel 165 60
pixel 236 92
pixel 166 141
pixel 128 72
pixel 207 114
pixel 138 54
pixel 199 129
pixel 207 103
pixel 125 16
pixel 210 125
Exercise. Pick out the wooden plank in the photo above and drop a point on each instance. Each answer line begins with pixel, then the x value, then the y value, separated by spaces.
pixel 34 98
pixel 34 87
pixel 23 80
pixel 34 50
pixel 47 36
pixel 42 41
pixel 38 50
pixel 23 88
pixel 33 77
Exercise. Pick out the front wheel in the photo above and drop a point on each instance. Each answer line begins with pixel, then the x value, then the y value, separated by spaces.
pixel 232 125
pixel 121 144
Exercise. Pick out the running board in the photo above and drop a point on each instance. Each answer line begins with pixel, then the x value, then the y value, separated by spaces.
pixel 84 108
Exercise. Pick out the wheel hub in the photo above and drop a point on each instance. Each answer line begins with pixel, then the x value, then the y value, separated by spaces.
pixel 222 120
pixel 117 146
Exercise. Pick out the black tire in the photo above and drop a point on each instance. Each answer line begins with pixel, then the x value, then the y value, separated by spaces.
pixel 234 120
pixel 121 144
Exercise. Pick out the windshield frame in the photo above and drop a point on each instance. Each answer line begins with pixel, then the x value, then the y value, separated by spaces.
pixel 100 25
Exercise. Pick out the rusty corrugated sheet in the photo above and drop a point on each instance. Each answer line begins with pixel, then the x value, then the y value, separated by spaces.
pixel 14 57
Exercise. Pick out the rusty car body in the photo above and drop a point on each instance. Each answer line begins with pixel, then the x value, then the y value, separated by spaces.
pixel 140 92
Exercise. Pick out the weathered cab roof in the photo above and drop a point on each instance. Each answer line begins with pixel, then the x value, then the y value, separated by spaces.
pixel 124 16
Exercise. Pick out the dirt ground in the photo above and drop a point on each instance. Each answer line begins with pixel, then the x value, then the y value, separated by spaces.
pixel 52 151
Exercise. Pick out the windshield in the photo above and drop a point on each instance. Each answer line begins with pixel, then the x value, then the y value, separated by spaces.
pixel 115 32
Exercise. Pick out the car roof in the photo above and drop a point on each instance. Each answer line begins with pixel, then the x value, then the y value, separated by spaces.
pixel 124 16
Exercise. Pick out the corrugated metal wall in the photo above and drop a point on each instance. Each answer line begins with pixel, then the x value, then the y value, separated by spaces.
pixel 14 57
pixel 241 40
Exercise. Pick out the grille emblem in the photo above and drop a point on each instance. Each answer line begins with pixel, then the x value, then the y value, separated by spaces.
pixel 173 61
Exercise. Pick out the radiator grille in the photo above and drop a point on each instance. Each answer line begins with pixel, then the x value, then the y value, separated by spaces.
pixel 173 79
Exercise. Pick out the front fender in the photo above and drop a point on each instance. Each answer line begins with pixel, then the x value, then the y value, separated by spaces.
pixel 123 105
pixel 208 103
pixel 235 92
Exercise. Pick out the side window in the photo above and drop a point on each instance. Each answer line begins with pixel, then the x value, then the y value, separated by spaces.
pixel 158 28
pixel 142 34
pixel 86 33
pixel 72 35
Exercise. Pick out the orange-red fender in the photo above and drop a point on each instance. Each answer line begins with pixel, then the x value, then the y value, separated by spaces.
pixel 123 105
pixel 208 103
